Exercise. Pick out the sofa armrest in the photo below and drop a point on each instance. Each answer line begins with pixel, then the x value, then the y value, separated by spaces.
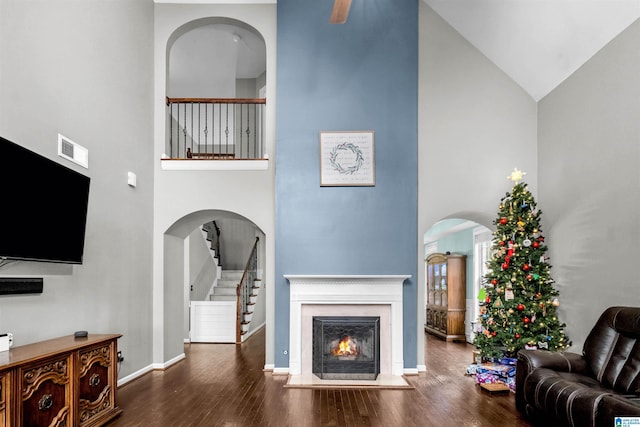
pixel 528 360
pixel 557 361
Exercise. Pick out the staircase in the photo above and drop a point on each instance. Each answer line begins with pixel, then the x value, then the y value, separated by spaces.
pixel 247 314
pixel 225 290
pixel 227 313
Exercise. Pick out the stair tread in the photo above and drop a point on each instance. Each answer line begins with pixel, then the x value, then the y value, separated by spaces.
pixel 222 298
pixel 227 284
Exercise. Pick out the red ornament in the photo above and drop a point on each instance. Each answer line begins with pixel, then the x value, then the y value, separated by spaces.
pixel 535 245
pixel 525 320
pixel 541 238
pixel 505 265
pixel 503 221
pixel 502 243
pixel 494 333
pixel 539 295
pixel 520 307
pixel 529 277
pixel 487 299
pixel 494 281
pixel 526 267
pixel 517 336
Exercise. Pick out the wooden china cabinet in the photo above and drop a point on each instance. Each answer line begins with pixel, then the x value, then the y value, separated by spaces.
pixel 65 381
pixel 446 296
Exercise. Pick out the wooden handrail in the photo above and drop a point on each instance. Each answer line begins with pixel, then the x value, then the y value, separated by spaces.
pixel 241 294
pixel 216 100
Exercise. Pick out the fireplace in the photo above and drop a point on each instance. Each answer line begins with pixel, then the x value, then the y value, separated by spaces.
pixel 342 296
pixel 346 347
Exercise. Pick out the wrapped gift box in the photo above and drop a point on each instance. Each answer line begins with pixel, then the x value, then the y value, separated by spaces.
pixel 498 369
pixel 508 361
pixel 493 373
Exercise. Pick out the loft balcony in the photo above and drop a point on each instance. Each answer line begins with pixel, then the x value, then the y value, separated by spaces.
pixel 215 134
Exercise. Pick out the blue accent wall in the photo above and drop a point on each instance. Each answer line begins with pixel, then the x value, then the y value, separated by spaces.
pixel 362 75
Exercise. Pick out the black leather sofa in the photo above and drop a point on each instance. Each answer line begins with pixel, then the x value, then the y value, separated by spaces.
pixel 592 389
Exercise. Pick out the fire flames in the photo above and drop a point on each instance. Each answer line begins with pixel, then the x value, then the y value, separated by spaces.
pixel 346 347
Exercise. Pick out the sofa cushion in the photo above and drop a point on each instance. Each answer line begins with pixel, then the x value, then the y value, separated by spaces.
pixel 569 398
pixel 612 349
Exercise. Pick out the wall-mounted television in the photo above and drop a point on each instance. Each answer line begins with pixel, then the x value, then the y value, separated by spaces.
pixel 43 207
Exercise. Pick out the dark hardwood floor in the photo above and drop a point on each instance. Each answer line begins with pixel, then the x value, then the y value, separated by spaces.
pixel 224 385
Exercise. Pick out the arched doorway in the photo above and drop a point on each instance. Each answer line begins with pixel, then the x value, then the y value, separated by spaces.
pixel 464 236
pixel 182 274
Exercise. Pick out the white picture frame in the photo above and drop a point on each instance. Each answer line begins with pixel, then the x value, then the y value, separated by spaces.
pixel 347 158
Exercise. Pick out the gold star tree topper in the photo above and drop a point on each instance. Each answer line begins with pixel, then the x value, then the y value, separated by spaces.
pixel 517 175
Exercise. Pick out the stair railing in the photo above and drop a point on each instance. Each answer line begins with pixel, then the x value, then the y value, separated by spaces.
pixel 216 128
pixel 213 235
pixel 244 289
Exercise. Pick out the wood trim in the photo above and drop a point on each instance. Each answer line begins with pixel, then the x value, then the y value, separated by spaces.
pixel 216 100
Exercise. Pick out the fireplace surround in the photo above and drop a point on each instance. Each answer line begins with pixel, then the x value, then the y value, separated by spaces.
pixel 324 295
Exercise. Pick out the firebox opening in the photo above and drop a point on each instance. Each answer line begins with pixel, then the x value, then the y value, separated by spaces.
pixel 346 347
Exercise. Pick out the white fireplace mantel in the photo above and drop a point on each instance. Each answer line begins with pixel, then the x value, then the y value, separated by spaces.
pixel 346 290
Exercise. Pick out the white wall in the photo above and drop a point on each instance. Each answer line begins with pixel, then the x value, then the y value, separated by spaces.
pixel 589 148
pixel 475 126
pixel 178 194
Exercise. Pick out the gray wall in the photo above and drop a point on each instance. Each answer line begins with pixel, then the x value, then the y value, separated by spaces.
pixel 202 268
pixel 83 69
pixel 237 237
pixel 589 151
pixel 474 125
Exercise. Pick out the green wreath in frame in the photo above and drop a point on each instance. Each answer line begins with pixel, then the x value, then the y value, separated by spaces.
pixel 346 170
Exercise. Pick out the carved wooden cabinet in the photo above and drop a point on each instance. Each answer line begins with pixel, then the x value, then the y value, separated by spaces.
pixel 65 381
pixel 446 296
pixel 4 398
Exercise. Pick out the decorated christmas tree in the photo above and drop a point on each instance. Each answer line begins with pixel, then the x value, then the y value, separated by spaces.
pixel 518 299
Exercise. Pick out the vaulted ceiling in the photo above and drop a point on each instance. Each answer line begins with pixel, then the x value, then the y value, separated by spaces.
pixel 538 43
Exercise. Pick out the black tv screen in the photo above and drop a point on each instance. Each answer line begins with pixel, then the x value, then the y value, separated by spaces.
pixel 43 207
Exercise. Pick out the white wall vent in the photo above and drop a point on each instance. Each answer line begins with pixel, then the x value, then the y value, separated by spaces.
pixel 73 151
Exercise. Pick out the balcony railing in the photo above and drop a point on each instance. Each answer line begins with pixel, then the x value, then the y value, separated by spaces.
pixel 215 128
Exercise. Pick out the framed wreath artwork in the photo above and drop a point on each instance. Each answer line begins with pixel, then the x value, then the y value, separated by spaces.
pixel 347 159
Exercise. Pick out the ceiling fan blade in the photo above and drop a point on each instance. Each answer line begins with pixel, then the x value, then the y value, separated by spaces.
pixel 340 11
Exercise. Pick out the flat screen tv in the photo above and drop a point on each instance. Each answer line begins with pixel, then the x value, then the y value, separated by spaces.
pixel 43 207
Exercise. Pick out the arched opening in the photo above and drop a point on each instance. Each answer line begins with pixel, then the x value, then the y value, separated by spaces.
pixel 215 57
pixel 468 235
pixel 186 272
pixel 216 90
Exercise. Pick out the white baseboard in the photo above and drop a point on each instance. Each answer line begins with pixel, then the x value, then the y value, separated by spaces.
pixel 153 367
pixel 124 380
pixel 165 365
pixel 422 368
pixel 411 371
pixel 269 367
pixel 280 371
